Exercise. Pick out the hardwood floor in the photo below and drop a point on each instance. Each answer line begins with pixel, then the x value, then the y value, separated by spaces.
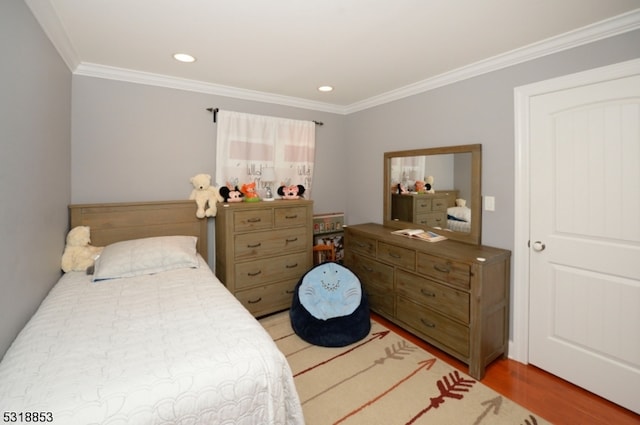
pixel 546 395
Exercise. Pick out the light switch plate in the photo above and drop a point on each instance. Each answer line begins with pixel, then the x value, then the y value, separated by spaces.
pixel 489 203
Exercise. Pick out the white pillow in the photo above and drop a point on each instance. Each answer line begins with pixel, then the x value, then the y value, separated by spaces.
pixel 146 256
pixel 461 213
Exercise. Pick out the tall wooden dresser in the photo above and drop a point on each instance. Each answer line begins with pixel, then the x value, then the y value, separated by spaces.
pixel 426 209
pixel 262 250
pixel 451 294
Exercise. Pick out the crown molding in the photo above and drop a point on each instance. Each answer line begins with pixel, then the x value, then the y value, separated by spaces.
pixel 601 30
pixel 52 26
pixel 47 17
pixel 139 77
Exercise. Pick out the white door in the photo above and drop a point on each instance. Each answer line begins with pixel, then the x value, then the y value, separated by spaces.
pixel 584 299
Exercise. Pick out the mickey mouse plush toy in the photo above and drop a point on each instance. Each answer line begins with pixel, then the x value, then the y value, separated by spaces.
pixel 291 191
pixel 231 194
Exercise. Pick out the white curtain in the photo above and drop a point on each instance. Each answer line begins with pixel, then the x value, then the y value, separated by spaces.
pixel 407 169
pixel 247 144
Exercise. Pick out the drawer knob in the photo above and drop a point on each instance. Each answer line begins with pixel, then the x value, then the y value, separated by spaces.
pixel 427 323
pixel 367 269
pixel 292 240
pixel 254 245
pixel 394 255
pixel 254 273
pixel 291 266
pixel 255 301
pixel 254 220
pixel 291 216
pixel 428 293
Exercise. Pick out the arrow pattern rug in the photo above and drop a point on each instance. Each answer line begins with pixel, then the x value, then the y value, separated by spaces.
pixel 385 379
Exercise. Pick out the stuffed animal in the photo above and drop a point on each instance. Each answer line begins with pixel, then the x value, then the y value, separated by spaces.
pixel 79 254
pixel 249 192
pixel 205 195
pixel 421 186
pixel 398 188
pixel 291 191
pixel 231 194
pixel 428 185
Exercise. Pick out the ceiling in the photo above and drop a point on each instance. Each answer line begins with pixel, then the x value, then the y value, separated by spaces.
pixel 371 51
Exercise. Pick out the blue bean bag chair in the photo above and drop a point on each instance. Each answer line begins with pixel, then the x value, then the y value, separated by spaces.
pixel 329 307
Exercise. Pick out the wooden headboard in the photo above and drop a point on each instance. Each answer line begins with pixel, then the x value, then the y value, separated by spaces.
pixel 117 222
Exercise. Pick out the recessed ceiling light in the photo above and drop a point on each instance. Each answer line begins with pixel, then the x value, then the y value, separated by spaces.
pixel 325 88
pixel 183 57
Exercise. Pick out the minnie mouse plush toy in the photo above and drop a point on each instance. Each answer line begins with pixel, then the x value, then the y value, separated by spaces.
pixel 291 191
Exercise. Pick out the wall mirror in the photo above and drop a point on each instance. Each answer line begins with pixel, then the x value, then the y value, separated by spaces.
pixel 452 206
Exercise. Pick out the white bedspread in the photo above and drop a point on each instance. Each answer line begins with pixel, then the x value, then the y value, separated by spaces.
pixel 174 348
pixel 459 226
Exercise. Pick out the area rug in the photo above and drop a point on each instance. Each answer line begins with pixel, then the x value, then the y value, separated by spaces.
pixel 385 379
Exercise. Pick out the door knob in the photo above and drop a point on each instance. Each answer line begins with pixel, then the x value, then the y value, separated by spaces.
pixel 538 246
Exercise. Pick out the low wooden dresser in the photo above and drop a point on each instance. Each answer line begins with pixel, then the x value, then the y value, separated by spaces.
pixel 451 294
pixel 262 250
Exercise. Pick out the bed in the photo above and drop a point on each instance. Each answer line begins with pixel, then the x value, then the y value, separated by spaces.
pixel 458 216
pixel 456 221
pixel 168 347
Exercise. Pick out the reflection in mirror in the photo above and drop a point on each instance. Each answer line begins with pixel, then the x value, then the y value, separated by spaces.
pixel 437 188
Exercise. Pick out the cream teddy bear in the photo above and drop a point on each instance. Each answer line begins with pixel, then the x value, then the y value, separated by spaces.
pixel 429 185
pixel 79 254
pixel 205 195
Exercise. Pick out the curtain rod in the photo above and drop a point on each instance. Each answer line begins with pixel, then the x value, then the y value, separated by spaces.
pixel 215 116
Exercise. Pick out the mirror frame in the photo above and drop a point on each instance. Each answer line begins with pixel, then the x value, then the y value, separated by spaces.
pixel 475 236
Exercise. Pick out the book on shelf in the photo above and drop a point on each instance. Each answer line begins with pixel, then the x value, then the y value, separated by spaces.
pixel 424 235
pixel 328 223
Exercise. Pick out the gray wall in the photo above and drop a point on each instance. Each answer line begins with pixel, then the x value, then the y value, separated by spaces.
pixel 133 142
pixel 35 166
pixel 478 110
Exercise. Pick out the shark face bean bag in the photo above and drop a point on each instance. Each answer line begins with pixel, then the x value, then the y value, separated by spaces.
pixel 329 307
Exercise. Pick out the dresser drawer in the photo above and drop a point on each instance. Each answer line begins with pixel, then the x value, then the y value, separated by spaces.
pixel 439 204
pixel 377 280
pixel 443 330
pixel 369 270
pixel 244 221
pixel 396 255
pixel 452 272
pixel 422 205
pixel 448 301
pixel 381 300
pixel 269 298
pixel 432 219
pixel 290 217
pixel 362 244
pixel 258 272
pixel 257 244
